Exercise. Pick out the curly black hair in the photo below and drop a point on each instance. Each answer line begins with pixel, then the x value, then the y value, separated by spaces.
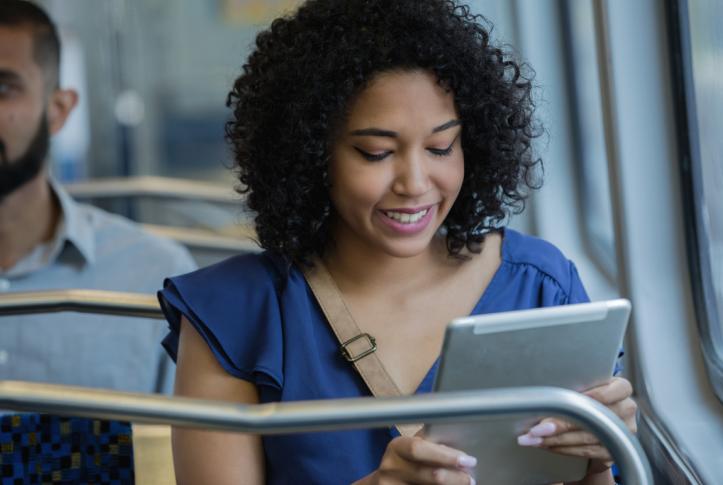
pixel 295 89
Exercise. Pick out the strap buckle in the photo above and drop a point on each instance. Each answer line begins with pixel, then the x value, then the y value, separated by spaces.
pixel 353 358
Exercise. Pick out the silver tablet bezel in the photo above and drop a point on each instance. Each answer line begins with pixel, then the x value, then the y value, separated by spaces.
pixel 462 337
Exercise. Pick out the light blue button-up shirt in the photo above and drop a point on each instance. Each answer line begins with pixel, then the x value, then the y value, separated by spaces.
pixel 91 249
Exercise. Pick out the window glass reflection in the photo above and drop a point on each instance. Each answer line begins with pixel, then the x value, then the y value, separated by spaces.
pixel 589 134
pixel 707 61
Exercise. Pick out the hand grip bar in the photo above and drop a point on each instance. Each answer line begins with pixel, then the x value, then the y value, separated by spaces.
pixel 158 187
pixel 85 301
pixel 295 417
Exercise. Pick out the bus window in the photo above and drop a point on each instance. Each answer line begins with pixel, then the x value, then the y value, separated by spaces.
pixel 700 65
pixel 588 134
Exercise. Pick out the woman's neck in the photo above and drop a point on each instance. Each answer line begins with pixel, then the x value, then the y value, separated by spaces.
pixel 358 267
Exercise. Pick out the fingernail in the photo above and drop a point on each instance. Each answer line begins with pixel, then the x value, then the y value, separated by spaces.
pixel 527 440
pixel 543 429
pixel 472 481
pixel 466 461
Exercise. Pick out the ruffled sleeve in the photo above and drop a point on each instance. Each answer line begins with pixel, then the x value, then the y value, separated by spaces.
pixel 539 275
pixel 576 292
pixel 234 306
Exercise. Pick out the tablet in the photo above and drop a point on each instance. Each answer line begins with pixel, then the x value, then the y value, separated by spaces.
pixel 570 346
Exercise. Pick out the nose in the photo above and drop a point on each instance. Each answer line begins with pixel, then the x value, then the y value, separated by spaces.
pixel 412 175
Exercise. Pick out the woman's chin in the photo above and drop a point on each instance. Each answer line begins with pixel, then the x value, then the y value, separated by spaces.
pixel 409 248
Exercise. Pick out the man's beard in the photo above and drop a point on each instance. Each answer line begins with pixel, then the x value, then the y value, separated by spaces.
pixel 14 174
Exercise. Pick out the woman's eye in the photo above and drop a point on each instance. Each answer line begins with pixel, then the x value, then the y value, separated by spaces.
pixel 441 152
pixel 372 157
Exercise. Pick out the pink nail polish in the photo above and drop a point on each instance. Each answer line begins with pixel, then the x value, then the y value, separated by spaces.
pixel 543 429
pixel 527 440
pixel 467 461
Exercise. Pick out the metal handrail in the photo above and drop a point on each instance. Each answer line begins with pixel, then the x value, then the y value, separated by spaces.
pixel 201 239
pixel 138 305
pixel 308 416
pixel 158 187
pixel 276 418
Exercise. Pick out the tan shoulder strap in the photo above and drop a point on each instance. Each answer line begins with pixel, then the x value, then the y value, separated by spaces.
pixel 357 347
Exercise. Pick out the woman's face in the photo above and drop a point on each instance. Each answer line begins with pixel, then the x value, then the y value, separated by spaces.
pixel 397 164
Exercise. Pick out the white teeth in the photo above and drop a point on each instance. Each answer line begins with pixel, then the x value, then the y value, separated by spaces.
pixel 406 218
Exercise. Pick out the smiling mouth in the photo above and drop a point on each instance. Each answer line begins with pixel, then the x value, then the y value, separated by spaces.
pixel 405 217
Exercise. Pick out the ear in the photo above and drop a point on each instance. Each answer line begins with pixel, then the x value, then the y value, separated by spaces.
pixel 60 104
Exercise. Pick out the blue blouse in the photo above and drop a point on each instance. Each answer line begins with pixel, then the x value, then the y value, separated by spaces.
pixel 263 325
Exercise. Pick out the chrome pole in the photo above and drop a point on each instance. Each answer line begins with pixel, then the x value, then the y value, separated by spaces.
pixel 157 187
pixel 296 417
pixel 84 301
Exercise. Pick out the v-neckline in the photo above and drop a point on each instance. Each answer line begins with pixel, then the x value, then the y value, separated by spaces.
pixel 425 385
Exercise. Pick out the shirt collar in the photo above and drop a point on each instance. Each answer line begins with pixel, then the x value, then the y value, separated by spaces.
pixel 72 227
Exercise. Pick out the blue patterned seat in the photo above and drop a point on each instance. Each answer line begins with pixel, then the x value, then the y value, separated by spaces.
pixel 40 448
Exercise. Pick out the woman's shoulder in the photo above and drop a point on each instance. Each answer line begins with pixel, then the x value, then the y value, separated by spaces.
pixel 248 285
pixel 538 256
pixel 234 306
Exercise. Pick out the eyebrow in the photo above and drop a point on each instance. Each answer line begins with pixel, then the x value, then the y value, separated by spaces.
pixel 394 134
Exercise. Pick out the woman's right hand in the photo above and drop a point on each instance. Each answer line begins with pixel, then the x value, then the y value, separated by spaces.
pixel 415 460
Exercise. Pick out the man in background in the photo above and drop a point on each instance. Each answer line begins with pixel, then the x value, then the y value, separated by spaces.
pixel 48 241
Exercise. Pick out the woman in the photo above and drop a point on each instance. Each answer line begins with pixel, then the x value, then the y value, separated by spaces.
pixel 389 140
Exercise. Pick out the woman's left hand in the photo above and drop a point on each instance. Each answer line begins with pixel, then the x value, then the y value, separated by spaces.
pixel 568 439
